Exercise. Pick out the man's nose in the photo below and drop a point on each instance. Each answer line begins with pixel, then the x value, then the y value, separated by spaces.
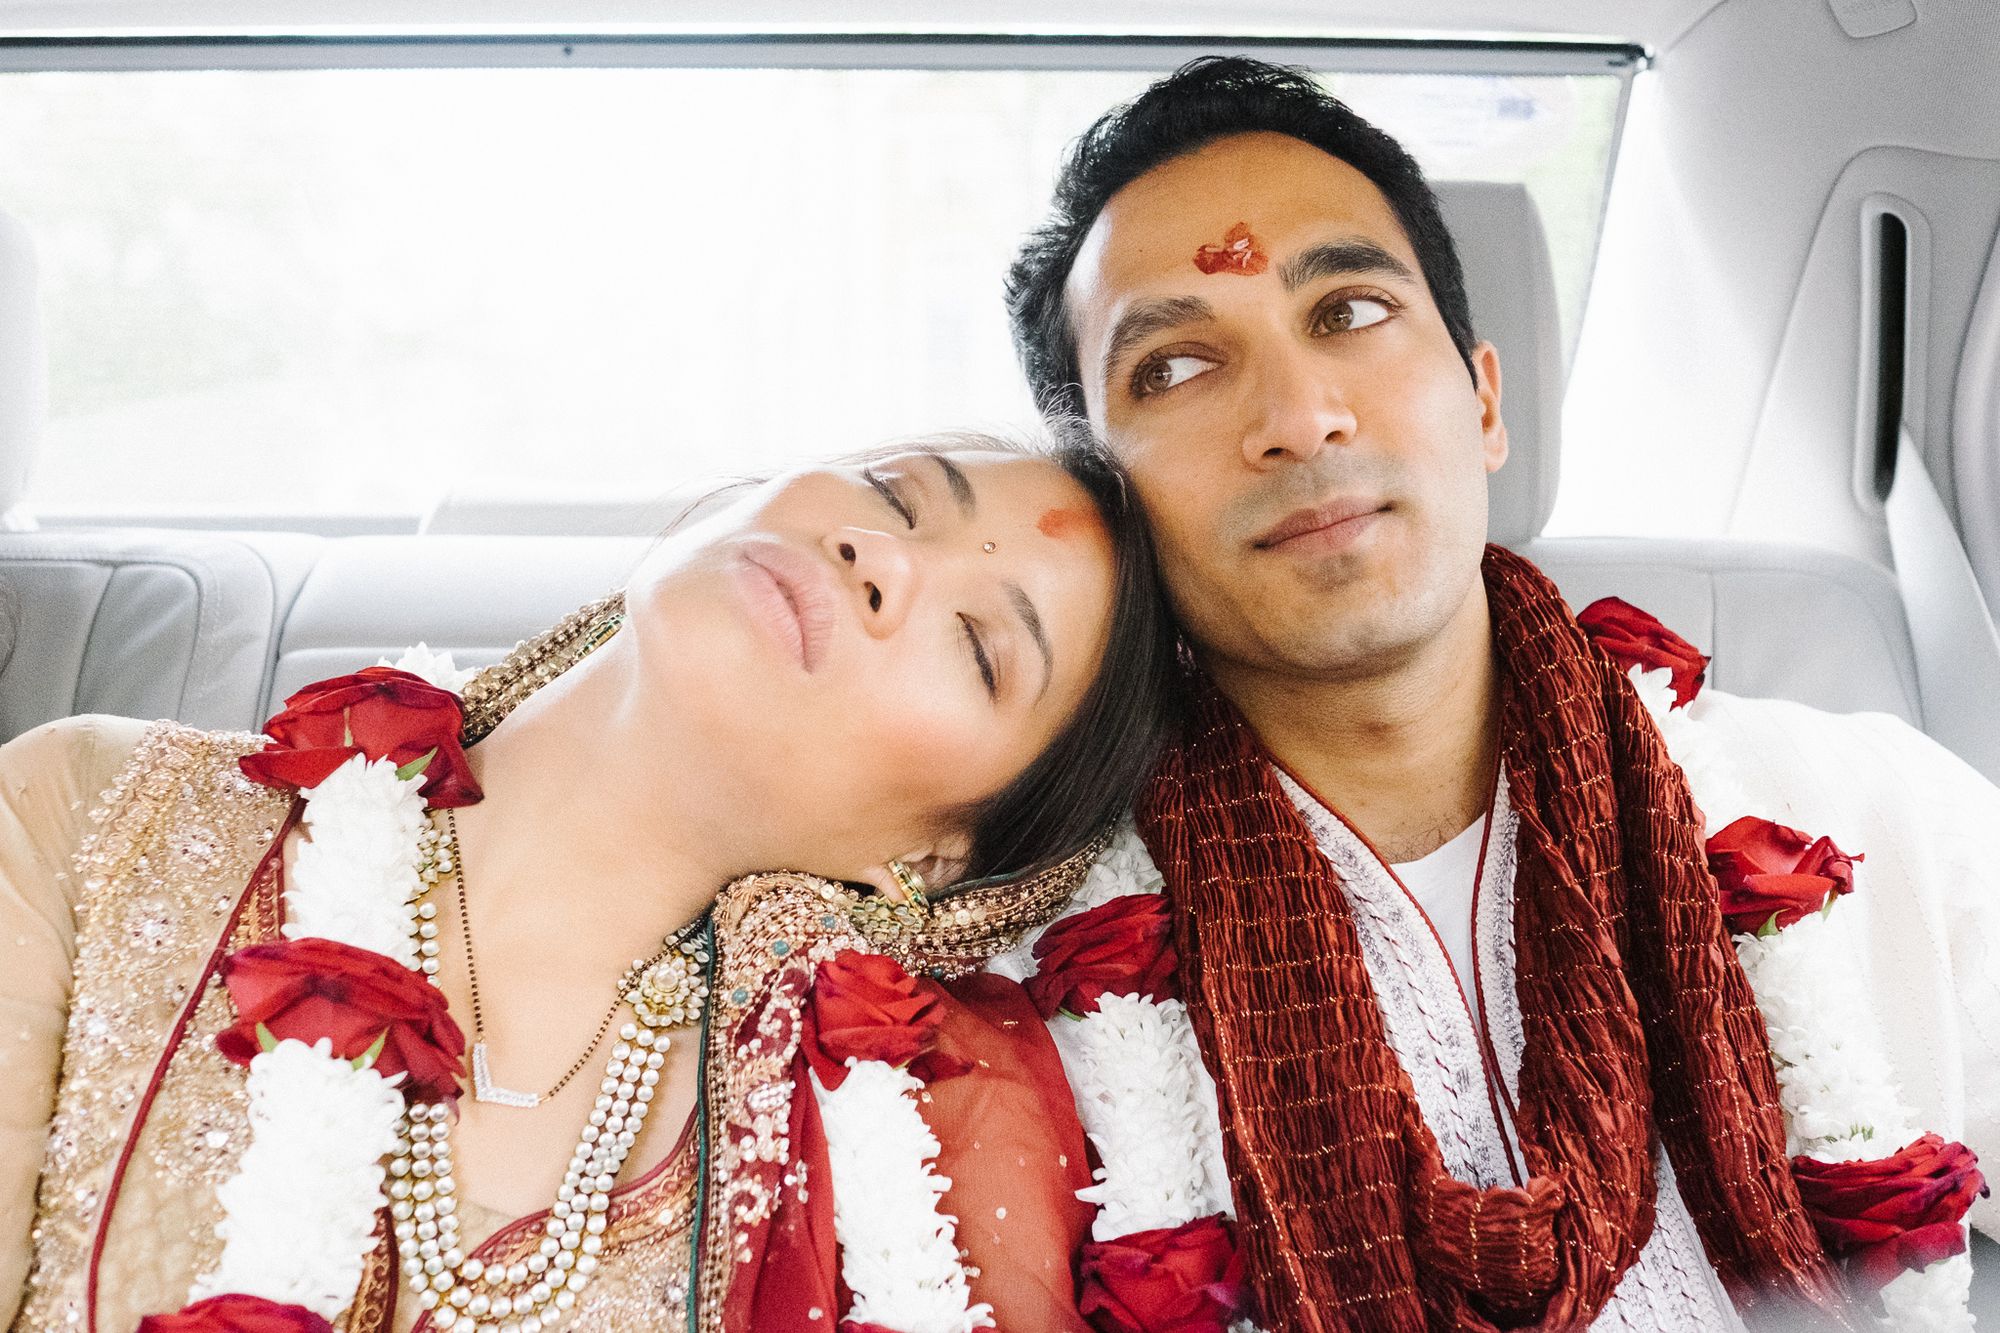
pixel 1296 408
pixel 879 570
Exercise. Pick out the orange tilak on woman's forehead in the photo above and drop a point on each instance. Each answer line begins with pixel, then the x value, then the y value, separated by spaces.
pixel 1061 522
pixel 1238 253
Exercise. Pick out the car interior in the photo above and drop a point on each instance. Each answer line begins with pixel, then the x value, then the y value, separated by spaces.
pixel 326 328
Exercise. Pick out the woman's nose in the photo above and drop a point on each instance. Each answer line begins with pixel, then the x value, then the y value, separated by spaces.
pixel 879 569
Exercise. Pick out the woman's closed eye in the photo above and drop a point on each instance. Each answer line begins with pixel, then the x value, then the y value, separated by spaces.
pixel 891 495
pixel 982 659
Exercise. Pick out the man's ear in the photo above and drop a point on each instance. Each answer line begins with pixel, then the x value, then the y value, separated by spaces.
pixel 1486 387
pixel 941 864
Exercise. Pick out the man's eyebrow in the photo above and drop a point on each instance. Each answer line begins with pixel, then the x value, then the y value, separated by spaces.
pixel 1036 631
pixel 1336 258
pixel 1149 317
pixel 960 484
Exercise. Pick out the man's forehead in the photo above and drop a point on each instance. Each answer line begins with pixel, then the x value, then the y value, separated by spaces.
pixel 1286 192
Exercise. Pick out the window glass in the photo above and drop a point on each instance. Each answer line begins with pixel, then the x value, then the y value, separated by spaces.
pixel 315 292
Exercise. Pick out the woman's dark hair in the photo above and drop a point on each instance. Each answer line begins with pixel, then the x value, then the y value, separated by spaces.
pixel 1091 773
pixel 1205 100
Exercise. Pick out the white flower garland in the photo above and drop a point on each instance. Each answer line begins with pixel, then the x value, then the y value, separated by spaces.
pixel 898 1249
pixel 1142 1092
pixel 299 1211
pixel 1840 1098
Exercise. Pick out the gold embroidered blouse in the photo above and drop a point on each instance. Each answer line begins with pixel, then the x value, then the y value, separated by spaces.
pixel 131 859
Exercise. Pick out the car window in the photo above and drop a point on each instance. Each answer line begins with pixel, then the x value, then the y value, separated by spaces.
pixel 296 292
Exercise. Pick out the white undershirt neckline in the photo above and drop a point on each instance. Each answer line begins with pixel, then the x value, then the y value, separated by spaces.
pixel 1443 882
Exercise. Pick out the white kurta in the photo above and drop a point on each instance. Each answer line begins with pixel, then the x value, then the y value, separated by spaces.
pixel 1671 1289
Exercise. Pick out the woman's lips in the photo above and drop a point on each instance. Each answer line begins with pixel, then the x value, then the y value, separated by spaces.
pixel 790 598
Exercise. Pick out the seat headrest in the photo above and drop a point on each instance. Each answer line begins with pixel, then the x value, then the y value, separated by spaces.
pixel 24 367
pixel 1512 290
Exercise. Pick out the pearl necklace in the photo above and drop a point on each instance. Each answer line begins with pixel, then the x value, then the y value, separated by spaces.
pixel 534 1294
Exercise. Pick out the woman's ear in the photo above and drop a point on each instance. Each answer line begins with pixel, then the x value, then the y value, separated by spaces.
pixel 941 864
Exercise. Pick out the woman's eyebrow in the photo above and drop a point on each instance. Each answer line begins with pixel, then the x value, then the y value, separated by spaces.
pixel 960 484
pixel 1030 617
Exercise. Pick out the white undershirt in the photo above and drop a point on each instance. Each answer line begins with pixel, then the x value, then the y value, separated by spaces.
pixel 1442 884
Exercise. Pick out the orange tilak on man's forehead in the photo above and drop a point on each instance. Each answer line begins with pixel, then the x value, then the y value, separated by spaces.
pixel 1238 253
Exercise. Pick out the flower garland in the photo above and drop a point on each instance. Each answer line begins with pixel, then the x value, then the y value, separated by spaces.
pixel 336 1024
pixel 1896 1221
pixel 870 1047
pixel 1163 1253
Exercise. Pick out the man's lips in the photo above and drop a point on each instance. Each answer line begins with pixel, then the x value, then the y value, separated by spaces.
pixel 792 592
pixel 1319 519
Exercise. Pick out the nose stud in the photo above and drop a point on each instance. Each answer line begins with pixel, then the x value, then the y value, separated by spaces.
pixel 989 548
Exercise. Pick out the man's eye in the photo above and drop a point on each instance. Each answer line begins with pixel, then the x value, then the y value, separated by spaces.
pixel 1162 373
pixel 890 495
pixel 1351 313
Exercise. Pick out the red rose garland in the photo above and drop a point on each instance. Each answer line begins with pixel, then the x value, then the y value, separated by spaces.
pixel 1770 876
pixel 348 1021
pixel 1123 947
pixel 312 988
pixel 379 712
pixel 1184 1279
pixel 1632 638
pixel 236 1314
pixel 1895 1213
pixel 1881 1217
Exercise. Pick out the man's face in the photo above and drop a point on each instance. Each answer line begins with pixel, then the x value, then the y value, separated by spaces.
pixel 1257 342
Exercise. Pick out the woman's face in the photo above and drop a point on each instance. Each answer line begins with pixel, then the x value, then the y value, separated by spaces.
pixel 871 648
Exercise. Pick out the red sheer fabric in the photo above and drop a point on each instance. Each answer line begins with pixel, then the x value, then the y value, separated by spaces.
pixel 1012 1147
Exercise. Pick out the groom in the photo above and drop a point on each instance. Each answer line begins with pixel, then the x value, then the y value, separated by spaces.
pixel 1449 936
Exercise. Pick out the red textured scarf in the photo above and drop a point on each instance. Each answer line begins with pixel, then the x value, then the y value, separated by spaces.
pixel 1638 1022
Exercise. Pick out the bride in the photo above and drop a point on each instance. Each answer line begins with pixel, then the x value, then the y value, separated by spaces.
pixel 925 683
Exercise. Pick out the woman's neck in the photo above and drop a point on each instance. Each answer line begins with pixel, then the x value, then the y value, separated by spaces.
pixel 592 828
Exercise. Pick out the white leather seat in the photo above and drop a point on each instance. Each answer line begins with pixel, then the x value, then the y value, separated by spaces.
pixel 1786 621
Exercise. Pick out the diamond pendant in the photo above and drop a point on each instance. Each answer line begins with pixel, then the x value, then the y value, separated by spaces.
pixel 486 1090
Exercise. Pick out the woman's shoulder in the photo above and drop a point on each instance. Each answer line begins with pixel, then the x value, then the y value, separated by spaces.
pixel 47 770
pixel 55 776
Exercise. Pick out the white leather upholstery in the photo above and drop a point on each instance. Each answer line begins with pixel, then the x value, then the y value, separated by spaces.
pixel 1780 621
pixel 1512 290
pixel 147 624
pixel 371 597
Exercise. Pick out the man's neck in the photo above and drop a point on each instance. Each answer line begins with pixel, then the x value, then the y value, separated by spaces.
pixel 1405 753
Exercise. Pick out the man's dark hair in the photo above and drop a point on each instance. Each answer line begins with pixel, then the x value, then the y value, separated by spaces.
pixel 1202 101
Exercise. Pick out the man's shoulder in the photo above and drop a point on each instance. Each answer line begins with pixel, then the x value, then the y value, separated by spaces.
pixel 1784 744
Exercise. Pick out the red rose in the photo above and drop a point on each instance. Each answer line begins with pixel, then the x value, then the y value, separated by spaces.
pixel 1764 870
pixel 1631 637
pixel 380 712
pixel 866 1006
pixel 1123 947
pixel 313 988
pixel 1895 1213
pixel 236 1314
pixel 1184 1279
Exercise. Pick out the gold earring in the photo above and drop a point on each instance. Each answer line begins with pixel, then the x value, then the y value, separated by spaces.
pixel 909 881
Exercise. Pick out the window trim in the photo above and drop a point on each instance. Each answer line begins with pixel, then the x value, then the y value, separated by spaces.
pixel 1401 54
